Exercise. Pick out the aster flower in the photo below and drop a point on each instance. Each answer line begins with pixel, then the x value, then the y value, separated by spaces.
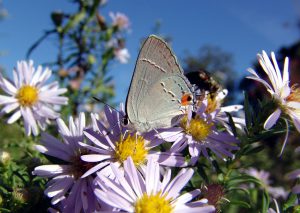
pixel 66 188
pixel 120 20
pixel 199 133
pixel 30 97
pixel 264 177
pixel 133 192
pixel 114 143
pixel 295 175
pixel 214 104
pixel 287 98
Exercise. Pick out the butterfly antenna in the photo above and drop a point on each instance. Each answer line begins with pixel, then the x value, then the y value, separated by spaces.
pixel 108 132
pixel 97 99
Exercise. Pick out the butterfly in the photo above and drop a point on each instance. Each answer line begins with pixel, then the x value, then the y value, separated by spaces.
pixel 159 93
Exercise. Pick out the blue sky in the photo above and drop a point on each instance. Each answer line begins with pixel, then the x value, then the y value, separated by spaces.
pixel 242 28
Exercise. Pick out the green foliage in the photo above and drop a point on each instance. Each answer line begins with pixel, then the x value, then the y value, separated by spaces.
pixel 86 46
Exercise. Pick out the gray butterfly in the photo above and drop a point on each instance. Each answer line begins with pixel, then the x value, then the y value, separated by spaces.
pixel 159 92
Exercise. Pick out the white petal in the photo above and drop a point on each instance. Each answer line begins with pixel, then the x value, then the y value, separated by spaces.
pixel 63 129
pixel 7 86
pixel 232 108
pixel 293 104
pixel 173 188
pixel 134 176
pixel 296 122
pixel 29 118
pixel 152 177
pixel 94 157
pixel 186 197
pixel 14 117
pixel 36 76
pixel 261 81
pixel 47 112
pixel 286 70
pixel 49 170
pixel 114 200
pixel 269 69
pixel 7 100
pixel 95 169
pixel 10 107
pixel 222 94
pixel 272 119
pixel 278 73
pixel 81 124
pixel 285 138
pixel 252 71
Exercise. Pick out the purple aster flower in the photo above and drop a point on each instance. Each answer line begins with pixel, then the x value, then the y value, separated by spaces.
pixel 30 97
pixel 134 192
pixel 295 175
pixel 264 177
pixel 199 133
pixel 114 143
pixel 66 187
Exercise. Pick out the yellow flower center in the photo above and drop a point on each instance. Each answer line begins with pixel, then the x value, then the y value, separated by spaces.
pixel 27 95
pixel 197 127
pixel 153 203
pixel 133 146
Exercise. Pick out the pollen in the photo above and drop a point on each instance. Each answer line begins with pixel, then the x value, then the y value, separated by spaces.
pixel 133 146
pixel 27 95
pixel 197 127
pixel 153 203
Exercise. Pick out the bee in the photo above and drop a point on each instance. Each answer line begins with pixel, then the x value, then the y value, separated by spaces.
pixel 205 84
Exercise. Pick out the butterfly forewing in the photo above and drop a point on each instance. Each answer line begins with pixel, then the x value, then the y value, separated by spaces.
pixel 156 79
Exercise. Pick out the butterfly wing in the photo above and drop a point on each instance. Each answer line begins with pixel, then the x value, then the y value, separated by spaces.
pixel 157 74
pixel 162 107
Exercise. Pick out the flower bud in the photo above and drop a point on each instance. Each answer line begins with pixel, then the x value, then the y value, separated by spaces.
pixel 4 157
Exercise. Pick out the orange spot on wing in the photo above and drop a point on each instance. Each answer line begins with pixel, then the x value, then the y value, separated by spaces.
pixel 186 99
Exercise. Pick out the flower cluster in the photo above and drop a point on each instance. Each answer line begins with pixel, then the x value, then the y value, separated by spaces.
pixel 107 166
pixel 103 165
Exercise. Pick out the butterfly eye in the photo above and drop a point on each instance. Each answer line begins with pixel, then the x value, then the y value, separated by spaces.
pixel 125 120
pixel 186 99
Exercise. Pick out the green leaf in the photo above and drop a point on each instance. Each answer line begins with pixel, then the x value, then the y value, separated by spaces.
pixel 238 189
pixel 240 203
pixel 265 201
pixel 243 179
pixel 231 123
pixel 74 21
pixel 247 109
pixel 290 202
pixel 202 173
pixel 254 150
pixel 217 167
